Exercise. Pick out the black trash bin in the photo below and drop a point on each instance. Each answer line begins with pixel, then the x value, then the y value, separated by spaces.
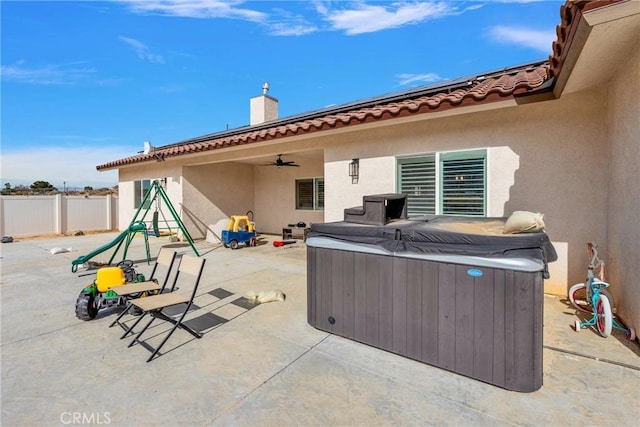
pixel 451 292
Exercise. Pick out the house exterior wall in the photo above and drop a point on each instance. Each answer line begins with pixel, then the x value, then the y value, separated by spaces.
pixel 548 157
pixel 275 196
pixel 622 250
pixel 127 177
pixel 377 176
pixel 215 191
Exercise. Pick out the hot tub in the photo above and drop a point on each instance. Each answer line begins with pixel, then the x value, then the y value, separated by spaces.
pixel 451 292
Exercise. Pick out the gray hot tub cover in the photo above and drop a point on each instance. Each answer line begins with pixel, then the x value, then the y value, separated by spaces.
pixel 442 234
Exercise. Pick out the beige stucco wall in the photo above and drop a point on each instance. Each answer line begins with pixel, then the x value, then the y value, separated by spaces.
pixel 622 249
pixel 275 202
pixel 548 157
pixel 376 176
pixel 127 176
pixel 216 191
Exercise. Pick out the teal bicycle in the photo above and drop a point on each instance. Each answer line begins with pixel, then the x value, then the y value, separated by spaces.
pixel 592 297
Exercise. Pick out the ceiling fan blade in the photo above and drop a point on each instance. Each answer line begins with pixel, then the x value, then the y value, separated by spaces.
pixel 279 162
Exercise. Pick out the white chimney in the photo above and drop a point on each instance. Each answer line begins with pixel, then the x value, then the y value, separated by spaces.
pixel 264 108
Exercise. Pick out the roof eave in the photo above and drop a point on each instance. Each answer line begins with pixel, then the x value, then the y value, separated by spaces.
pixel 512 84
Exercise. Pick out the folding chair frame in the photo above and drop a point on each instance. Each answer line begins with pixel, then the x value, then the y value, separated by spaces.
pixel 156 312
pixel 160 260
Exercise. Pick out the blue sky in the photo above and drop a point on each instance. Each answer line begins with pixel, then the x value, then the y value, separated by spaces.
pixel 85 83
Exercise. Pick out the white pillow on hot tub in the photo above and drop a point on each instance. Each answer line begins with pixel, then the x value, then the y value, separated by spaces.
pixel 524 222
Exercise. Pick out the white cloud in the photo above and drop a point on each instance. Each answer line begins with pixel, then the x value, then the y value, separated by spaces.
pixel 351 18
pixel 409 79
pixel 285 23
pixel 367 18
pixel 287 29
pixel 74 165
pixel 142 50
pixel 196 9
pixel 535 39
pixel 282 24
pixel 521 1
pixel 49 74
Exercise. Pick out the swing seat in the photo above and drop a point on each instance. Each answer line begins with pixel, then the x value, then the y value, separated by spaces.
pixel 154 222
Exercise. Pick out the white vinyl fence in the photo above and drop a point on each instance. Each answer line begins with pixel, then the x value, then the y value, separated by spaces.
pixel 58 214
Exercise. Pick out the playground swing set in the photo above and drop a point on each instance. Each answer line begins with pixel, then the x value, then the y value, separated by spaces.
pixel 155 193
pixel 100 293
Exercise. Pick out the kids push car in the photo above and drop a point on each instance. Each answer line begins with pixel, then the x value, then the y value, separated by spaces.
pixel 99 294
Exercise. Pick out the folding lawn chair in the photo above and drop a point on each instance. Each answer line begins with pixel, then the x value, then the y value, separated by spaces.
pixel 153 305
pixel 166 258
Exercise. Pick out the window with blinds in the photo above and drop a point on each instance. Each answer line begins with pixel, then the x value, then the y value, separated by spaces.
pixel 310 194
pixel 463 185
pixel 319 193
pixel 418 181
pixel 444 183
pixel 140 188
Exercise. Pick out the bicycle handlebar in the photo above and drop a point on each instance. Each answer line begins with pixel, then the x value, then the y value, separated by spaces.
pixel 592 250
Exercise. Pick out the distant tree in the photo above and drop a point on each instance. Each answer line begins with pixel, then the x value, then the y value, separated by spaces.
pixel 42 186
pixel 21 189
pixel 88 188
pixel 6 190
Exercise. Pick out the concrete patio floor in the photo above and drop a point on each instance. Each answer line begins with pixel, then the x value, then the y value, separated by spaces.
pixel 266 366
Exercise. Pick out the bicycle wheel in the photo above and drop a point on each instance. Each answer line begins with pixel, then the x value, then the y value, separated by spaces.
pixel 579 300
pixel 604 321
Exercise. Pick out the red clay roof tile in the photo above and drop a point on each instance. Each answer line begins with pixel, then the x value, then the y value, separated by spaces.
pixel 570 14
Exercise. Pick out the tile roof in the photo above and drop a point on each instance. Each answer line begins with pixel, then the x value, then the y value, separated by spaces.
pixel 570 14
pixel 479 89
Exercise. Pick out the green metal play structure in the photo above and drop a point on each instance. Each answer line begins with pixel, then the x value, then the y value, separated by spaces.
pixel 155 193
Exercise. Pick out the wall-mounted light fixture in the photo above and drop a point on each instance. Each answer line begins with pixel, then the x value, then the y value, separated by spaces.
pixel 354 170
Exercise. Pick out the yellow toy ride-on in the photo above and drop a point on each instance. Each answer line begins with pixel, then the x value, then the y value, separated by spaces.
pixel 240 230
pixel 100 294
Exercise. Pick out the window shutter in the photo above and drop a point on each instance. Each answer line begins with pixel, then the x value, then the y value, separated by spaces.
pixel 137 191
pixel 463 186
pixel 146 185
pixel 319 193
pixel 418 180
pixel 304 194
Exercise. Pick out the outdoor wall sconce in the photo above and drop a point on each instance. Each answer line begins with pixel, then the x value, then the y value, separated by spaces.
pixel 354 170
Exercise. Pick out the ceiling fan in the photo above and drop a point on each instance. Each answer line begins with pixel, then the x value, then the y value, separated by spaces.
pixel 279 162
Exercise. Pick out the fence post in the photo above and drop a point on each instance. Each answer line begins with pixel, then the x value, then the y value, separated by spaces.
pixel 109 219
pixel 57 208
pixel 1 216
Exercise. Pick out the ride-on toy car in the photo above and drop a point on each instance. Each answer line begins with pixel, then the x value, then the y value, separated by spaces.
pixel 99 294
pixel 240 230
